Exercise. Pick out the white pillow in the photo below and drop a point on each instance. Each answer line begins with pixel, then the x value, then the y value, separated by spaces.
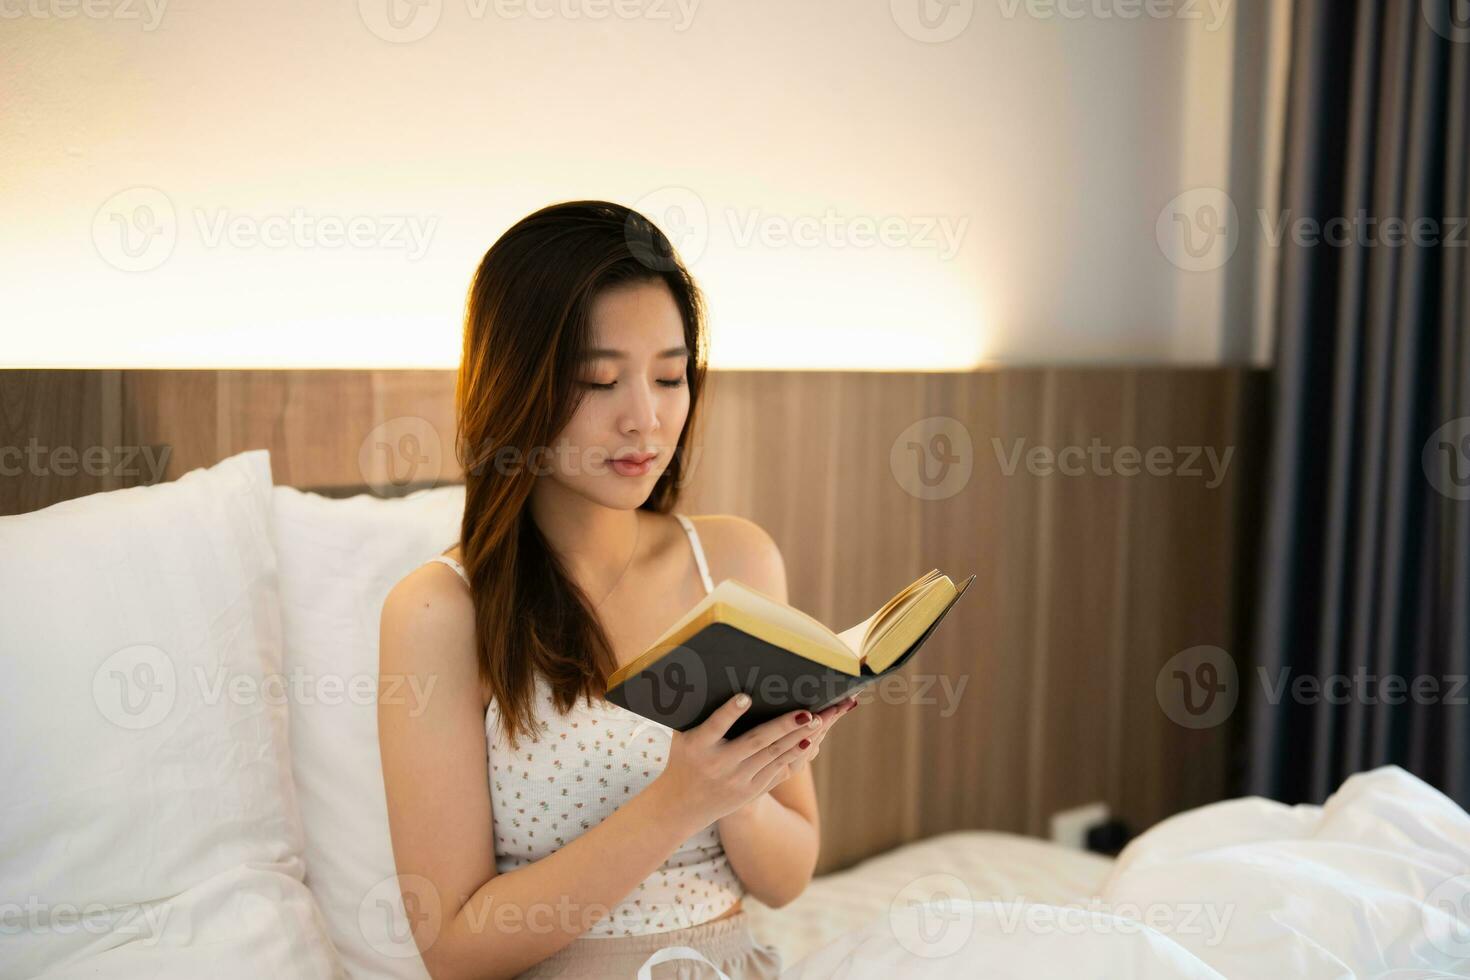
pixel 339 558
pixel 147 813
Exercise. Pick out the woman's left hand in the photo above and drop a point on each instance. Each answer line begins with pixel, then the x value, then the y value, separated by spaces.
pixel 829 716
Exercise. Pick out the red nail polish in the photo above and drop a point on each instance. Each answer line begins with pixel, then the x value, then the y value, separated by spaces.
pixel 802 717
pixel 804 742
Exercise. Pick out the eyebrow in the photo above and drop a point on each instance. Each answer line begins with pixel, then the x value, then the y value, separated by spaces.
pixel 619 355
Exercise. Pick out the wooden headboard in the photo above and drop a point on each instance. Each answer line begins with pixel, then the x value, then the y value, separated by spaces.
pixel 1037 694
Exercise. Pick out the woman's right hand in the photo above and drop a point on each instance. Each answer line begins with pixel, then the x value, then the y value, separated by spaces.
pixel 710 776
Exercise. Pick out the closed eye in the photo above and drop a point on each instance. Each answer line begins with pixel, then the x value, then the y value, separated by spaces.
pixel 675 383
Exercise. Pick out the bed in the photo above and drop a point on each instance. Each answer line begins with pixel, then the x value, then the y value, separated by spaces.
pixel 964 865
pixel 1374 882
pixel 169 814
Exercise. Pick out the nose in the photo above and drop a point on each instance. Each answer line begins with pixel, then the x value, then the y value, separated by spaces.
pixel 640 411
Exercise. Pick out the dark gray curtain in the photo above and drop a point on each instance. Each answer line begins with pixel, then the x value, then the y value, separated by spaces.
pixel 1365 559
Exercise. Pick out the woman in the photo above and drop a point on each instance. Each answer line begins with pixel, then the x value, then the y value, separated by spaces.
pixel 599 837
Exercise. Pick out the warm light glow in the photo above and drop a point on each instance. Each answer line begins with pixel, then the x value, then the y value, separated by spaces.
pixel 776 300
pixel 312 185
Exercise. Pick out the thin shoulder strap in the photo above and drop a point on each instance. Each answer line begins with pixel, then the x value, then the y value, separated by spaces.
pixel 452 564
pixel 688 525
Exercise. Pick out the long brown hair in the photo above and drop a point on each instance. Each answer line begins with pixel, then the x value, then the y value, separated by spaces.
pixel 527 322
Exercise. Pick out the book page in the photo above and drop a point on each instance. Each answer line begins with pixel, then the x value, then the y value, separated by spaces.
pixel 853 635
pixel 787 617
pixel 736 593
pixel 916 619
pixel 894 609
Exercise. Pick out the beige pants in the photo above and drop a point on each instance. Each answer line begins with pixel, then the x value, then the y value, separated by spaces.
pixel 696 953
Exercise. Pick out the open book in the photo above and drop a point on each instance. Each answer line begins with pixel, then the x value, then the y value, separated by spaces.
pixel 740 639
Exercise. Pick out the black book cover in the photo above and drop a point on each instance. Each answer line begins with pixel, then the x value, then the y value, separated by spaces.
pixel 689 682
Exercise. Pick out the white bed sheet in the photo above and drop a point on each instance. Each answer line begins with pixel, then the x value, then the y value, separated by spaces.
pixel 964 865
pixel 1373 883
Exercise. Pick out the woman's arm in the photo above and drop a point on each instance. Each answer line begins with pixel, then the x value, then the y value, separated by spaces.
pixel 773 841
pixel 467 920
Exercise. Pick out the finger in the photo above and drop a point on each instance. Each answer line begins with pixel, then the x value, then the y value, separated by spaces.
pixel 807 759
pixel 713 728
pixel 811 753
pixel 779 768
pixel 758 760
pixel 768 733
pixel 834 711
pixel 830 717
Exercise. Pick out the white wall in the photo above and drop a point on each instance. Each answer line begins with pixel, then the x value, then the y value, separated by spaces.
pixel 1050 142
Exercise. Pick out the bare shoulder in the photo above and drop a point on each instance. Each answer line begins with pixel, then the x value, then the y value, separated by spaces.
pixel 428 624
pixel 737 547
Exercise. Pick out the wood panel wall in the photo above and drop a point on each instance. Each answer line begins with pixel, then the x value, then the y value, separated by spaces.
pixel 1038 692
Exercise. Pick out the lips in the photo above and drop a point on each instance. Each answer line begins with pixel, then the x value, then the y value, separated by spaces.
pixel 635 459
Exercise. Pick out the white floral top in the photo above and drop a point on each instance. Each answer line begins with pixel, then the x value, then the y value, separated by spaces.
pixel 583 766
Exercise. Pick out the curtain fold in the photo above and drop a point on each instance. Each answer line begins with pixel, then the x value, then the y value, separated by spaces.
pixel 1364 584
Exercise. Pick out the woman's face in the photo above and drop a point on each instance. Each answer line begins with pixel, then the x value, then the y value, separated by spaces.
pixel 636 397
